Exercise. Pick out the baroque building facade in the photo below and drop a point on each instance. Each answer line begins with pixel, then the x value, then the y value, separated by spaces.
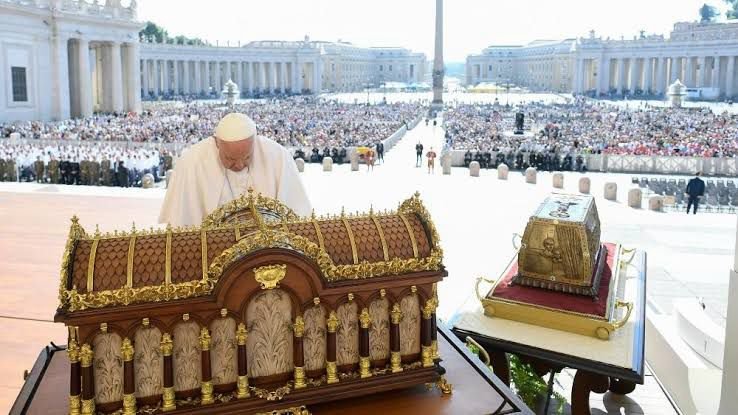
pixel 71 58
pixel 701 55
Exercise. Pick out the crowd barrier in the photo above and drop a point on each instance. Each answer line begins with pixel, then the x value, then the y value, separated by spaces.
pixel 615 163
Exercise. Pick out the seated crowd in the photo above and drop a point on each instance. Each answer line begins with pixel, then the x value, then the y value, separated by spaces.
pixel 311 127
pixel 559 134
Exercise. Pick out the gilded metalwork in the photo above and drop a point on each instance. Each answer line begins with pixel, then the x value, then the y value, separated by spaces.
pixel 242 387
pixel 85 355
pixel 91 266
pixel 365 319
pixel 204 339
pixel 269 276
pixel 275 395
pixel 395 362
pixel 145 322
pixel 380 231
pixel 88 407
pixel 321 241
pixel 204 253
pixel 442 385
pixel 331 371
pixel 168 259
pixel 297 410
pixel 266 237
pixel 396 314
pixel 168 399
pixel 129 404
pixel 165 345
pixel 299 326
pixel 332 322
pixel 129 265
pixel 411 235
pixel 75 405
pixel 103 327
pixel 429 308
pixel 241 334
pixel 300 377
pixel 352 241
pixel 73 351
pixel 426 356
pixel 560 248
pixel 434 350
pixel 126 350
pixel 365 367
pixel 206 392
pixel 223 214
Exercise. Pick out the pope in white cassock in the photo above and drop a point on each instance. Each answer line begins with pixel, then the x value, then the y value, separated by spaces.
pixel 222 167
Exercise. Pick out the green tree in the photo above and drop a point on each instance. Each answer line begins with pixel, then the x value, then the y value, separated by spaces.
pixel 708 13
pixel 153 32
pixel 732 12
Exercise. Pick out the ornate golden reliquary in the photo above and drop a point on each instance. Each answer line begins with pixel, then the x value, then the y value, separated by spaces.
pixel 256 310
pixel 560 248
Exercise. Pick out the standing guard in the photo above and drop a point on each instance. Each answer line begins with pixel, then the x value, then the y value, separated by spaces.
pixel 106 172
pixel 38 169
pixel 53 170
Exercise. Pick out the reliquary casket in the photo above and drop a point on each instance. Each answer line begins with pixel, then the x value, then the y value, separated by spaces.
pixel 257 310
pixel 560 248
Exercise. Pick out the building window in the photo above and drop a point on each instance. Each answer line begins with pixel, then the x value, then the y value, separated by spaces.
pixel 390 68
pixel 20 88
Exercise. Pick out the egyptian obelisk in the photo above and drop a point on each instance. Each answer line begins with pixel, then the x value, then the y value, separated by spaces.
pixel 438 58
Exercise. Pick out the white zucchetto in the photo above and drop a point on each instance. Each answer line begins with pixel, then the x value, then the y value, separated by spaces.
pixel 235 127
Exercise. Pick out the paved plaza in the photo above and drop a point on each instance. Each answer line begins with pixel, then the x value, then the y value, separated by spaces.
pixel 688 256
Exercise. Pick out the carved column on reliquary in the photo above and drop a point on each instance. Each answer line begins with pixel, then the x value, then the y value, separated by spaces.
pixel 243 378
pixel 206 388
pixel 426 325
pixel 330 364
pixel 75 387
pixel 129 386
pixel 88 382
pixel 434 328
pixel 364 361
pixel 395 355
pixel 168 402
pixel 298 354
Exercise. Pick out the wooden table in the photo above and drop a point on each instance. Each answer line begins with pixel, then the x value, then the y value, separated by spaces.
pixel 616 365
pixel 475 389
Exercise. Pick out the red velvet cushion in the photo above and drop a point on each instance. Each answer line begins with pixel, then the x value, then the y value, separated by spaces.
pixel 558 300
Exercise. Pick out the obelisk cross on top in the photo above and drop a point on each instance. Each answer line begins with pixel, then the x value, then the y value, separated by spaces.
pixel 438 58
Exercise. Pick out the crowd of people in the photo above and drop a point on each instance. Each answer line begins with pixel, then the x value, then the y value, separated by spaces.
pixel 131 145
pixel 559 135
pixel 94 164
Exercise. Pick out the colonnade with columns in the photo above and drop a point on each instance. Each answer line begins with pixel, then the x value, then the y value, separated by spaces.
pixel 103 76
pixel 173 77
pixel 654 74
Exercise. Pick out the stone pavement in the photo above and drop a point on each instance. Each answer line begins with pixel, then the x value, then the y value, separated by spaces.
pixel 688 256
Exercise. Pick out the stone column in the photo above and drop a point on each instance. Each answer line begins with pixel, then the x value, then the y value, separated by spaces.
pixel 674 71
pixel 660 69
pixel 250 77
pixel 198 77
pixel 145 77
pixel 275 76
pixel 217 70
pixel 60 78
pixel 603 75
pixel 730 76
pixel 186 77
pixel 704 73
pixel 239 76
pixel 133 77
pixel 621 76
pixel 283 76
pixel 175 70
pixel 85 78
pixel 715 82
pixel 633 83
pixel 438 67
pixel 156 76
pixel 206 83
pixel 262 77
pixel 689 77
pixel 648 73
pixel 318 76
pixel 166 83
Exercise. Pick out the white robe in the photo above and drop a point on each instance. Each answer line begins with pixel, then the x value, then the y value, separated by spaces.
pixel 198 185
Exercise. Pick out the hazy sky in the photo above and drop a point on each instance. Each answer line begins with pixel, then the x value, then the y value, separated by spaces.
pixel 470 25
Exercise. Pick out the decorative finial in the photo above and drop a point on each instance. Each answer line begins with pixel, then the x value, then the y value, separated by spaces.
pixel 343 212
pixel 75 220
pixel 371 210
pixel 97 231
pixel 133 227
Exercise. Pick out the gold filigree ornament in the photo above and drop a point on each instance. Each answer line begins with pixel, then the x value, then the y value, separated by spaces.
pixel 442 385
pixel 297 410
pixel 269 276
pixel 269 235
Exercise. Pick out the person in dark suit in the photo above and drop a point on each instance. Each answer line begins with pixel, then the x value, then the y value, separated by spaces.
pixel 418 154
pixel 380 151
pixel 695 190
